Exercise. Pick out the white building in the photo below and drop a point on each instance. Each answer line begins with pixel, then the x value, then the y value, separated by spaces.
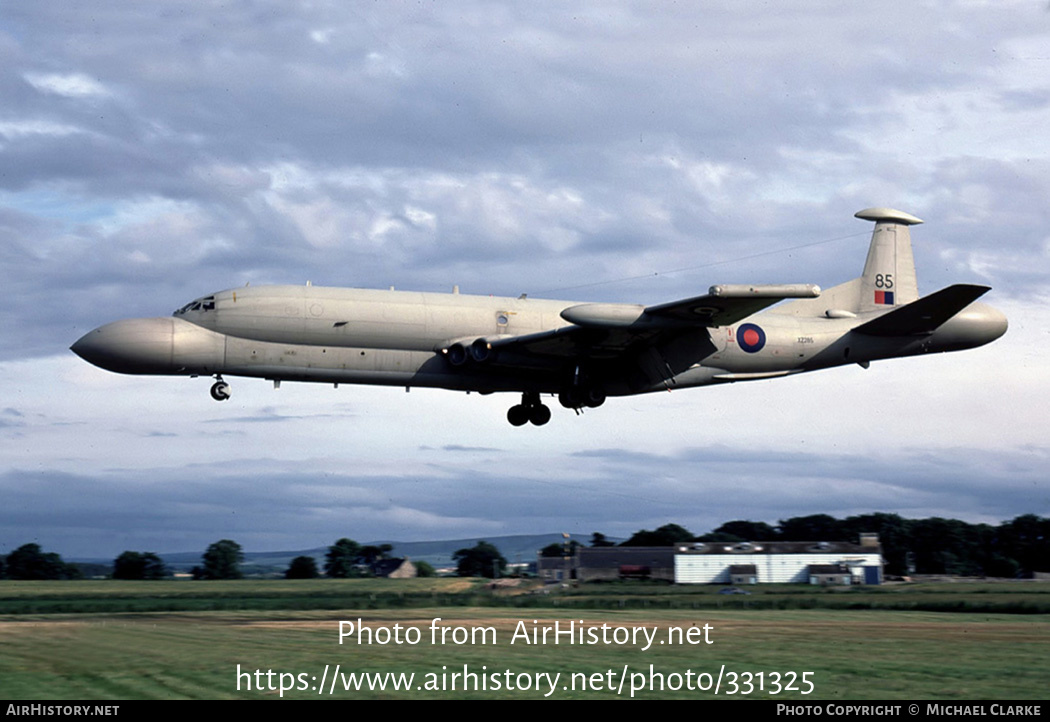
pixel 778 562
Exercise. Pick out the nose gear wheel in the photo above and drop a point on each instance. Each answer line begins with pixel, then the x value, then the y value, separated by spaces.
pixel 220 390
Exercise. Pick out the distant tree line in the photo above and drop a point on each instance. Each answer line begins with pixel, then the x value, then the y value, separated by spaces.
pixel 30 562
pixel 139 565
pixel 346 559
pixel 920 546
pixel 302 567
pixel 481 560
pixel 221 560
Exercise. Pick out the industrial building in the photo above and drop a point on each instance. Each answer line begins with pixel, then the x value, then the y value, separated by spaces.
pixel 779 562
pixel 737 563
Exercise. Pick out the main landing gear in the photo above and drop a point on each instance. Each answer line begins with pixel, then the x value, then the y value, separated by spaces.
pixel 582 392
pixel 530 409
pixel 578 397
pixel 220 390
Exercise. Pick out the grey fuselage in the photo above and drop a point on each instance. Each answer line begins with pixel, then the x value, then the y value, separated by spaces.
pixel 583 352
pixel 398 338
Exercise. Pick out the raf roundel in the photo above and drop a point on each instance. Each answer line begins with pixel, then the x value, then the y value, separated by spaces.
pixel 751 338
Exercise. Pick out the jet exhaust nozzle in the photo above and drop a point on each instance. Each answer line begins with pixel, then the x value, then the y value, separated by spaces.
pixel 481 350
pixel 456 354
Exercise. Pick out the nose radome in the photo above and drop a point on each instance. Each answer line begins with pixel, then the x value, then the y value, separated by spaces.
pixel 132 346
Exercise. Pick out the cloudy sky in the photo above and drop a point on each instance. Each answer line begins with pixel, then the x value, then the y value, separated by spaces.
pixel 151 153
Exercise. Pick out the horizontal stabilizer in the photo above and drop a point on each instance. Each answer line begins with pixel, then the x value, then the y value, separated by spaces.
pixel 925 315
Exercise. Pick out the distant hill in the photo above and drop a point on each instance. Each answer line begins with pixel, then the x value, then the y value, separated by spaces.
pixel 520 548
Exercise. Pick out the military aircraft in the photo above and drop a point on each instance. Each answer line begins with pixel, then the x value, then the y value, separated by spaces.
pixel 581 352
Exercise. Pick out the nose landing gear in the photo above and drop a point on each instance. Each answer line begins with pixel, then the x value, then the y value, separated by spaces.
pixel 220 390
pixel 530 409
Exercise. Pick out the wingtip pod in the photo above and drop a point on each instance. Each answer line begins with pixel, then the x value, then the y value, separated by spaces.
pixel 887 215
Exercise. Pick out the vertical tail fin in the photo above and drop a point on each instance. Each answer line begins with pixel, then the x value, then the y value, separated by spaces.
pixel 889 273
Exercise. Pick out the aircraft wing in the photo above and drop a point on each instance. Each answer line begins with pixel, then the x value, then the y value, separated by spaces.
pixel 605 330
pixel 725 305
pixel 574 341
pixel 924 315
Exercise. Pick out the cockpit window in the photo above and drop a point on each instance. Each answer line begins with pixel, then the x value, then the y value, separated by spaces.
pixel 201 304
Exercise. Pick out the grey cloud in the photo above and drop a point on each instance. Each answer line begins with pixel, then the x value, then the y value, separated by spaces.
pixel 157 152
pixel 699 488
pixel 466 132
pixel 473 449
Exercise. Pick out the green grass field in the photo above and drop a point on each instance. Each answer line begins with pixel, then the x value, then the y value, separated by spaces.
pixel 851 654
